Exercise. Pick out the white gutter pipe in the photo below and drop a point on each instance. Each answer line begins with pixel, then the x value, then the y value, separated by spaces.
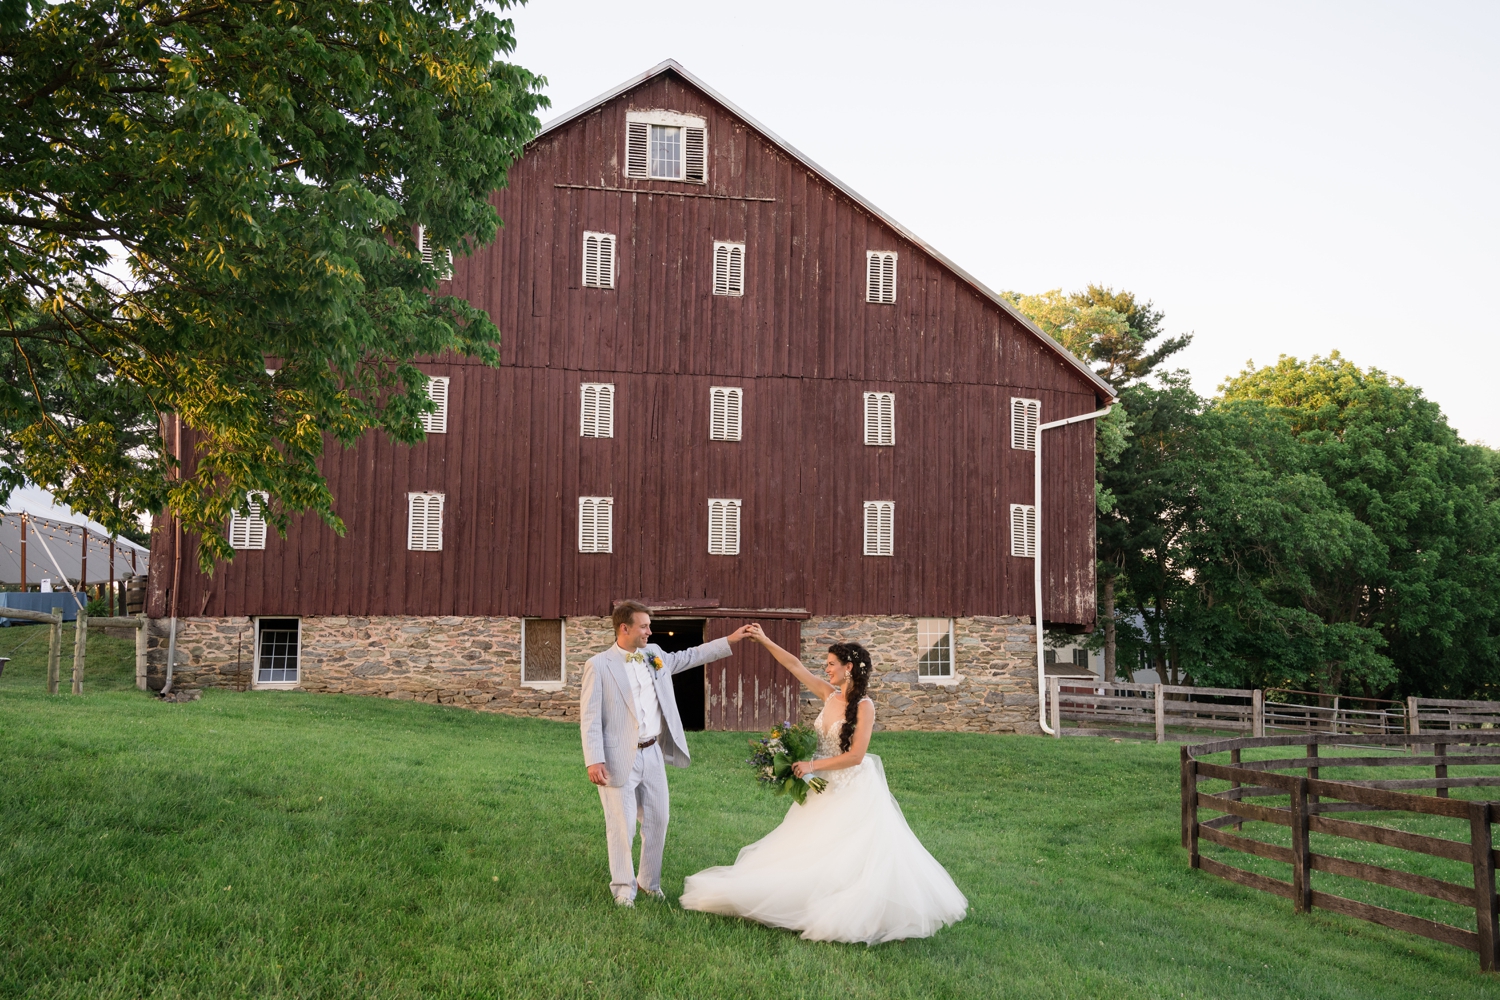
pixel 1041 661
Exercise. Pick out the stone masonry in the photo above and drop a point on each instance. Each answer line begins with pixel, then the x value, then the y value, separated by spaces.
pixel 476 662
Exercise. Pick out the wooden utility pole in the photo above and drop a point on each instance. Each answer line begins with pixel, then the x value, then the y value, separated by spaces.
pixel 23 553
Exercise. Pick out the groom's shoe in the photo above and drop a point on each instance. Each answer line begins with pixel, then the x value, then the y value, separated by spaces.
pixel 656 894
pixel 625 901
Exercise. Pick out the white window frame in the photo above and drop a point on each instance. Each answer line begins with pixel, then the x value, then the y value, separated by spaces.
pixel 436 422
pixel 589 543
pixel 421 540
pixel 729 268
pixel 726 409
pixel 880 419
pixel 875 545
pixel 880 277
pixel 256 683
pixel 598 260
pixel 951 677
pixel 1023 530
pixel 692 165
pixel 562 680
pixel 723 526
pixel 425 248
pixel 248 533
pixel 596 410
pixel 1025 418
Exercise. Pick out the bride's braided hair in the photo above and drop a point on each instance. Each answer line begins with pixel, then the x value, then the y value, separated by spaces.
pixel 857 658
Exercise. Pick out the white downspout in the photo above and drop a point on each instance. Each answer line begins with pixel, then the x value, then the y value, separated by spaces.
pixel 1041 662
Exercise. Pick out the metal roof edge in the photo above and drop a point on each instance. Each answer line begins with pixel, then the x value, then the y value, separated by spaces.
pixel 1005 304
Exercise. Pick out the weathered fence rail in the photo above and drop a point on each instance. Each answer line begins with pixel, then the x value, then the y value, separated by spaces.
pixel 1306 813
pixel 80 642
pixel 1357 716
pixel 1427 714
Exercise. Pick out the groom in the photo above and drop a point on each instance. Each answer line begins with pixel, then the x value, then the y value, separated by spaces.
pixel 630 730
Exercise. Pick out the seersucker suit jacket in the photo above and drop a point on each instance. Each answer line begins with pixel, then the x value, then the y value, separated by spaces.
pixel 606 707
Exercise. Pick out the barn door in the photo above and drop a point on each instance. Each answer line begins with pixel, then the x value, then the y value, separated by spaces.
pixel 750 690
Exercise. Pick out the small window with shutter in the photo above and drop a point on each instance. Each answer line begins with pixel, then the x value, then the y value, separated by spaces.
pixel 436 422
pixel 597 403
pixel 880 276
pixel 665 145
pixel 1025 416
pixel 424 522
pixel 880 419
pixel 723 527
pixel 729 268
pixel 596 524
pixel 249 531
pixel 598 260
pixel 431 253
pixel 543 653
pixel 880 516
pixel 724 413
pixel 1023 531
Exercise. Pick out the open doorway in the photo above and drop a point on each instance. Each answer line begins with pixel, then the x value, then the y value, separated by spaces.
pixel 674 635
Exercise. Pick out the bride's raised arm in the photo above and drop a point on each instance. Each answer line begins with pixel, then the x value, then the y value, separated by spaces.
pixel 816 685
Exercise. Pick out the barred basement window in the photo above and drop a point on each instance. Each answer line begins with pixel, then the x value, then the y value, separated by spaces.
pixel 934 649
pixel 596 524
pixel 436 422
pixel 598 260
pixel 723 527
pixel 880 276
pixel 424 522
pixel 597 402
pixel 543 653
pixel 880 516
pixel 278 652
pixel 249 532
pixel 724 407
pixel 1025 415
pixel 428 252
pixel 1023 530
pixel 665 145
pixel 880 418
pixel 729 268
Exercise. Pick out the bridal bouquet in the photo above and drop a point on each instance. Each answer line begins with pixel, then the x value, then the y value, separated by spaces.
pixel 775 753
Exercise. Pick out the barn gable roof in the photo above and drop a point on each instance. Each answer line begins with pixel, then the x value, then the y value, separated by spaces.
pixel 673 66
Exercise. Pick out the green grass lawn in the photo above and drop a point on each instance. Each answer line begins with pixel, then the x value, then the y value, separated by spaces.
pixel 292 845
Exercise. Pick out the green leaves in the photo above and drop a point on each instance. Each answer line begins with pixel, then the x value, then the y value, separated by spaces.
pixel 189 192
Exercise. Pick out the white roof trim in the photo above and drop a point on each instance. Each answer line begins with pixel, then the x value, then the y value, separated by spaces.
pixel 1000 300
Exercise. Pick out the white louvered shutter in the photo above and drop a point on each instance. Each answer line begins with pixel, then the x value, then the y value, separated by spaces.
pixel 597 405
pixel 437 421
pixel 428 252
pixel 637 149
pixel 723 527
pixel 249 532
pixel 880 418
pixel 729 268
pixel 424 522
pixel 724 408
pixel 596 524
pixel 695 154
pixel 1023 530
pixel 598 260
pixel 880 516
pixel 1025 415
pixel 880 276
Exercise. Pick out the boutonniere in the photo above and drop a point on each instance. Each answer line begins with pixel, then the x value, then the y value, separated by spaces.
pixel 655 661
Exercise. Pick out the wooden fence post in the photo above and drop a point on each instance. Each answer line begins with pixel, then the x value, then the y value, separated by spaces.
pixel 1301 853
pixel 1054 689
pixel 1413 724
pixel 1161 715
pixel 1190 807
pixel 80 648
pixel 140 656
pixel 54 653
pixel 1257 712
pixel 1486 912
pixel 1312 771
pixel 1440 771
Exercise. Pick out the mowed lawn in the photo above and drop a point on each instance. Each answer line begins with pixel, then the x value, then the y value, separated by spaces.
pixel 292 845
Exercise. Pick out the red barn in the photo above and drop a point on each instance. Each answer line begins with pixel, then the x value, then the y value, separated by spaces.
pixel 731 387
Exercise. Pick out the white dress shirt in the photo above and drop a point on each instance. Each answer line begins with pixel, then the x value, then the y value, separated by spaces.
pixel 643 687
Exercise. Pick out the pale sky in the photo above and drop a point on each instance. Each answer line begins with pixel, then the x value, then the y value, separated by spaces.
pixel 1280 178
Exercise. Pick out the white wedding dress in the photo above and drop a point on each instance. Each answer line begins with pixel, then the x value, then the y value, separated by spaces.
pixel 843 867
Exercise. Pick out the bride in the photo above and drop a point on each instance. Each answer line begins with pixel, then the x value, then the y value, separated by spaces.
pixel 845 866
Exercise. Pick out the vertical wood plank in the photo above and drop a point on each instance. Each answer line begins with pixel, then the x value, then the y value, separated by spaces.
pixel 54 653
pixel 1486 913
pixel 80 649
pixel 1301 851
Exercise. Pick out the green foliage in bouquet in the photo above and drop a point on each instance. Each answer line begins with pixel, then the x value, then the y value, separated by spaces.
pixel 774 754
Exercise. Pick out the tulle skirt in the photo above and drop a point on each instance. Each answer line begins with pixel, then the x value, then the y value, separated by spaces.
pixel 843 867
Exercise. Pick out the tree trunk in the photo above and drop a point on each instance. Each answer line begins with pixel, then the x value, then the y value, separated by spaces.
pixel 1109 630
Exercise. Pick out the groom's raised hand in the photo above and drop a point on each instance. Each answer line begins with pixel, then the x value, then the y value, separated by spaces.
pixel 598 775
pixel 740 633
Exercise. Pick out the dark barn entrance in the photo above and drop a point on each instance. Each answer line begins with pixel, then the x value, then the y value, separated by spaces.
pixel 674 635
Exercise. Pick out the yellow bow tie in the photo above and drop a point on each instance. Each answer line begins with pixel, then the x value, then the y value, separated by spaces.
pixel 635 657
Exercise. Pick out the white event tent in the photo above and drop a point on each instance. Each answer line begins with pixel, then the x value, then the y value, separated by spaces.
pixel 42 540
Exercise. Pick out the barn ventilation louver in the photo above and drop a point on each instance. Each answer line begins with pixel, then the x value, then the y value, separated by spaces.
pixel 598 260
pixel 249 532
pixel 436 422
pixel 424 522
pixel 1025 415
pixel 428 252
pixel 1023 531
pixel 725 404
pixel 596 529
pixel 880 276
pixel 597 403
pixel 723 527
pixel 729 268
pixel 880 516
pixel 880 419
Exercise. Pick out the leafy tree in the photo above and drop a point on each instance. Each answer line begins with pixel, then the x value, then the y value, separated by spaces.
pixel 189 189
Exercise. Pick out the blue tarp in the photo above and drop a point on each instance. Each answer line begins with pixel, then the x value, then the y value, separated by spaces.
pixel 38 602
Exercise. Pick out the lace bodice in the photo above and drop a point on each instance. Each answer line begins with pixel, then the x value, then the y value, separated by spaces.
pixel 828 730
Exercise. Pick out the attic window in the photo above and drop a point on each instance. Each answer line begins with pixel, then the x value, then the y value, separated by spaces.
pixel 667 146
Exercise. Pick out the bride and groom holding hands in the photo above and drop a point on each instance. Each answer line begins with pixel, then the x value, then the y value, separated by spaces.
pixel 844 866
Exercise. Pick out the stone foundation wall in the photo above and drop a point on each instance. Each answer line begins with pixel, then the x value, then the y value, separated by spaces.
pixel 476 662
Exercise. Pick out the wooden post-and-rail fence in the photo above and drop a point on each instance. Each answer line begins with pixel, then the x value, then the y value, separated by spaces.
pixel 1306 813
pixel 80 643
